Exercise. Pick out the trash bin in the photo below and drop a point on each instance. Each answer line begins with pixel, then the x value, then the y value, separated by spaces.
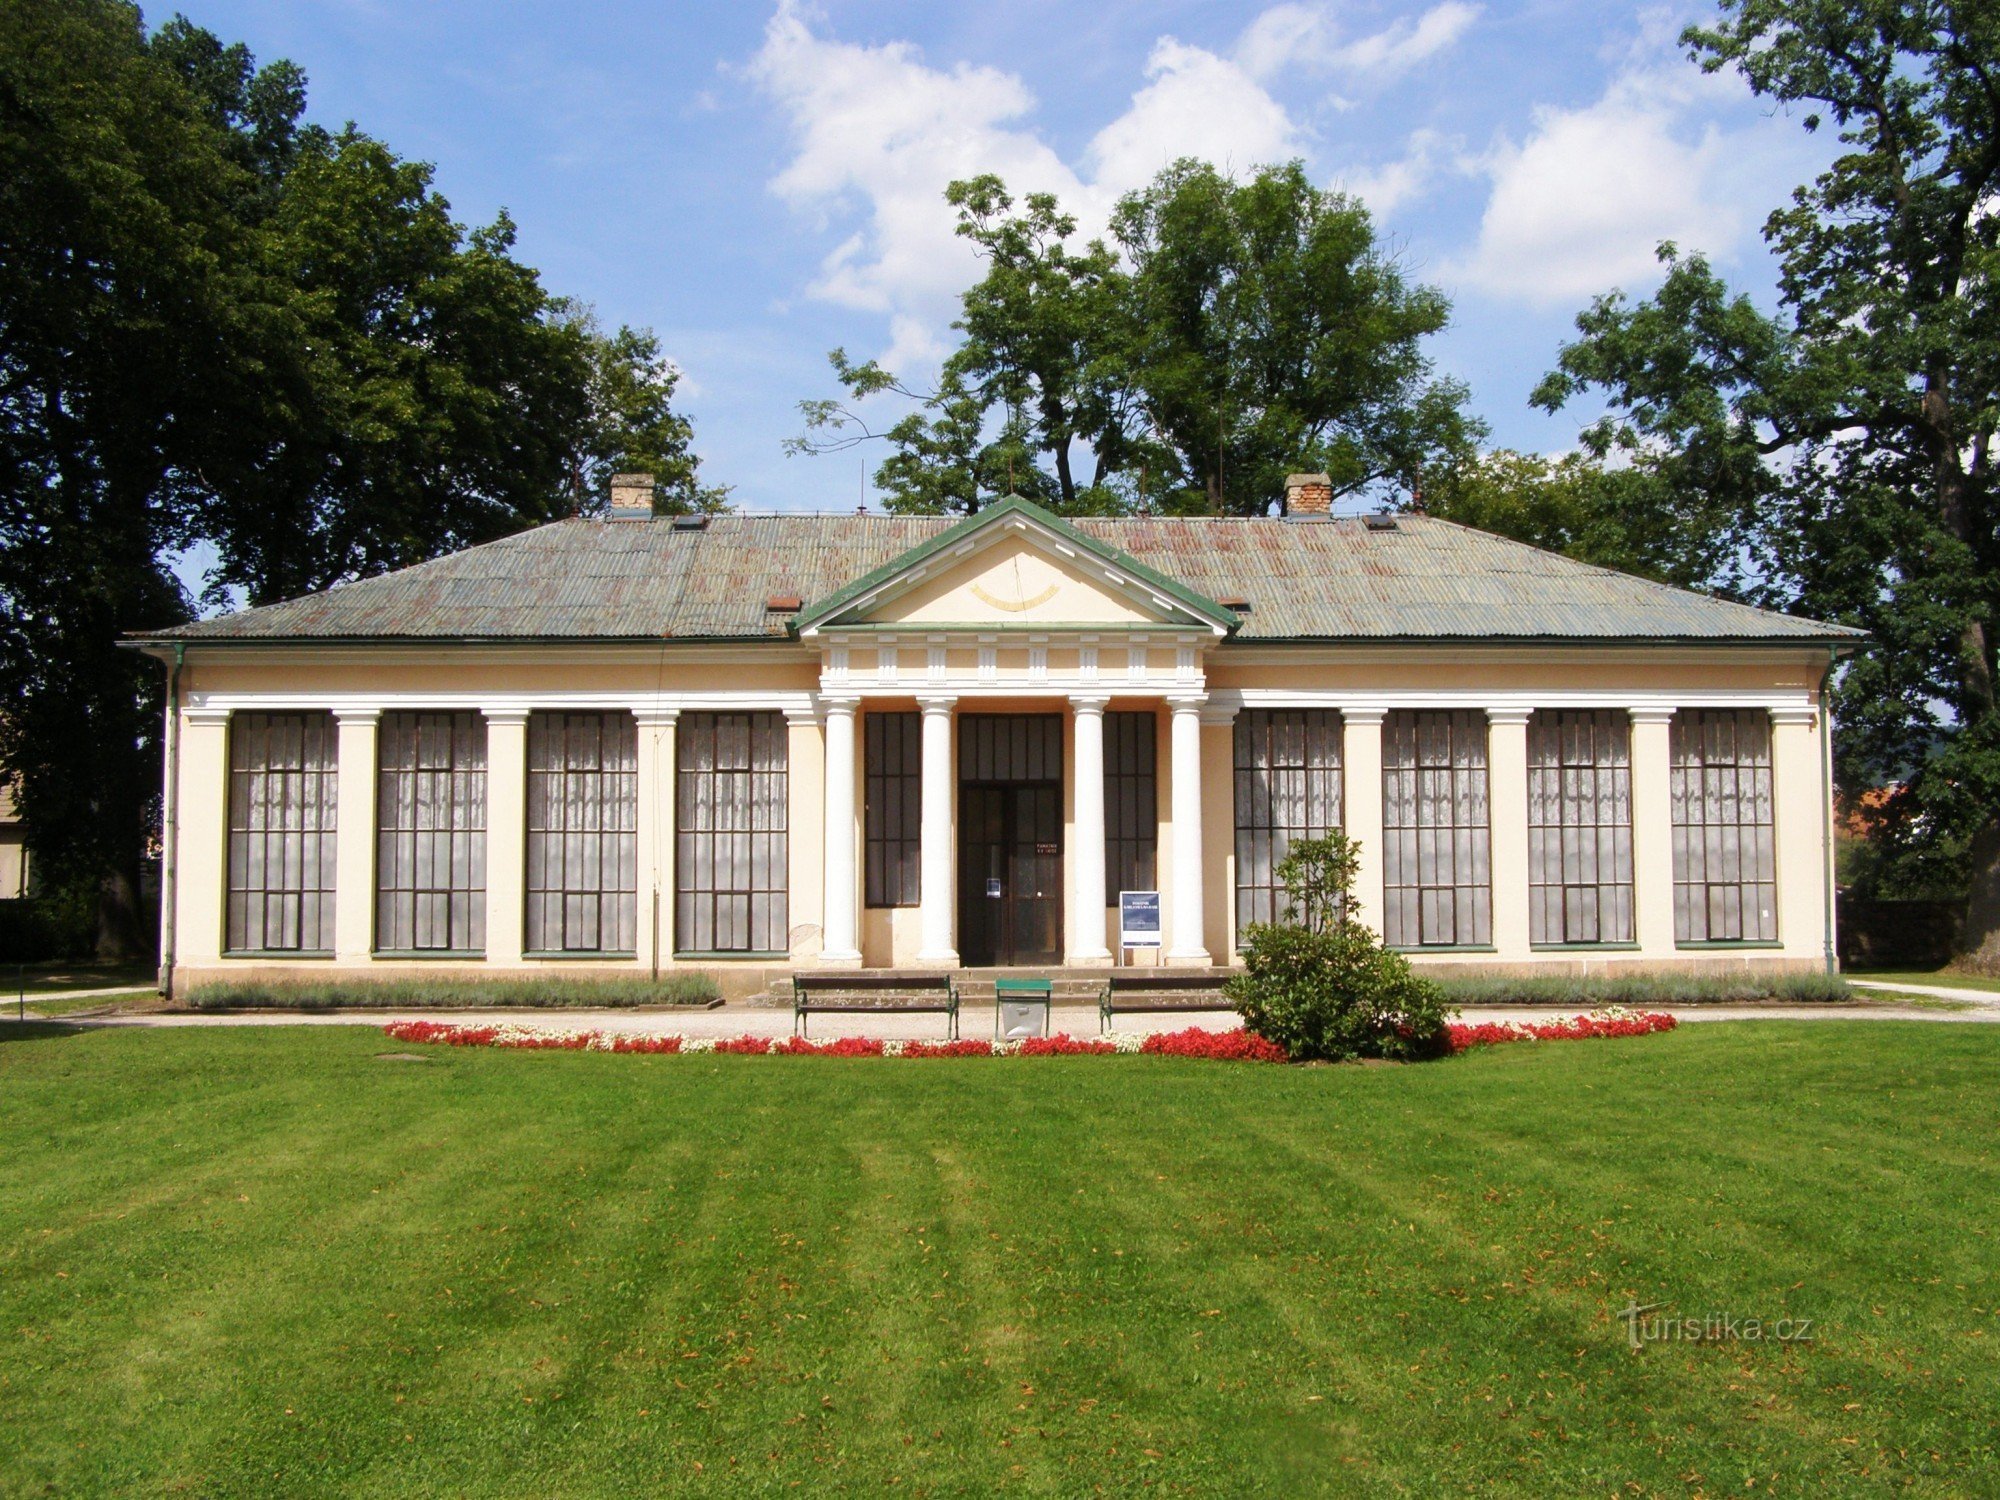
pixel 1023 1008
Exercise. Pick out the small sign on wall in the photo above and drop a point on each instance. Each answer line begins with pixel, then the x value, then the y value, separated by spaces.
pixel 1138 919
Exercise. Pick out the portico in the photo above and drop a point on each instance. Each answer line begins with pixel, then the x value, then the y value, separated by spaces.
pixel 1029 627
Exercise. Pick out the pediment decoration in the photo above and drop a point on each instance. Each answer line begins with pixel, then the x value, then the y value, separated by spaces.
pixel 1015 566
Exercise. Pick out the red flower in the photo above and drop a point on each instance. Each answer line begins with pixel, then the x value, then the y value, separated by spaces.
pixel 1215 1046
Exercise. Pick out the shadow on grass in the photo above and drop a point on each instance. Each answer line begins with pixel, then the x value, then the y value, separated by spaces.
pixel 35 1030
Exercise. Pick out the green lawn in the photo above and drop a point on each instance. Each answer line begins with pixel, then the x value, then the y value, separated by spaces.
pixel 41 979
pixel 270 1261
pixel 1942 977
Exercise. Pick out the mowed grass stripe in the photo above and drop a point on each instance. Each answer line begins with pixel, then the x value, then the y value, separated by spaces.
pixel 495 1273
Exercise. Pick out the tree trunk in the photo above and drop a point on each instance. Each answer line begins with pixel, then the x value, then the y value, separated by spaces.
pixel 1979 938
pixel 120 920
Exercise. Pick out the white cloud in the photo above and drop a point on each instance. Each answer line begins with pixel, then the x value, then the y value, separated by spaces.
pixel 878 131
pixel 1390 186
pixel 1580 206
pixel 1307 37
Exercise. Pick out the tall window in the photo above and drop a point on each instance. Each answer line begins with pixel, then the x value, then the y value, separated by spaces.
pixel 583 841
pixel 730 868
pixel 1437 885
pixel 892 821
pixel 1579 827
pixel 430 812
pixel 1725 854
pixel 283 785
pixel 1287 787
pixel 1131 804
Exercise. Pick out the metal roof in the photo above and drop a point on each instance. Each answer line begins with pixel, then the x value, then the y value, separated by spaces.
pixel 1336 579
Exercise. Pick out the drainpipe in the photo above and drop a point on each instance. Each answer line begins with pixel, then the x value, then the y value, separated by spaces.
pixel 170 842
pixel 1826 801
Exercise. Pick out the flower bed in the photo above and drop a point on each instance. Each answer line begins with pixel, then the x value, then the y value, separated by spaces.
pixel 1221 1046
pixel 1212 1046
pixel 1614 1021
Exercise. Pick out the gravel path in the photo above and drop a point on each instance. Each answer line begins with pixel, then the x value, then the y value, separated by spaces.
pixel 977 1021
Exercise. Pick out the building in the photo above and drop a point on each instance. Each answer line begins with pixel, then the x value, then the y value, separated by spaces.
pixel 14 874
pixel 753 743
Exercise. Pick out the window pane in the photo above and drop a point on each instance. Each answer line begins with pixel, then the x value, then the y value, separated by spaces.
pixel 283 785
pixel 1288 787
pixel 430 814
pixel 892 806
pixel 1725 871
pixel 1437 884
pixel 1579 827
pixel 1131 804
pixel 583 794
pixel 732 801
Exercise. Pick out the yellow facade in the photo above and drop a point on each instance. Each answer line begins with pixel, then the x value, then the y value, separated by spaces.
pixel 1009 627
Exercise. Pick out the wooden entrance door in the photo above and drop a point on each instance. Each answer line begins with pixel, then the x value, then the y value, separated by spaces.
pixel 1010 873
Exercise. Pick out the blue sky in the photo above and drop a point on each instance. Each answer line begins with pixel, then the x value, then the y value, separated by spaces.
pixel 762 182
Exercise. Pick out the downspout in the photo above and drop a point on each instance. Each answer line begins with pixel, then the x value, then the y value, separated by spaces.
pixel 170 821
pixel 1826 803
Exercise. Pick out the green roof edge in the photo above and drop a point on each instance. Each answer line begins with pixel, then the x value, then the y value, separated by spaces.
pixel 1199 605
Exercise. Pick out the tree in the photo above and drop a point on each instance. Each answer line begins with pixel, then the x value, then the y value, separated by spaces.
pixel 630 424
pixel 1611 516
pixel 128 300
pixel 1842 445
pixel 1236 332
pixel 222 326
pixel 1273 334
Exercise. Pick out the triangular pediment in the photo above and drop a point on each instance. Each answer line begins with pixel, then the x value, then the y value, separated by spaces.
pixel 1015 564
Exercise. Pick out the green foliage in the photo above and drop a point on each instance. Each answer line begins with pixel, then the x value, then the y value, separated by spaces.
pixel 1319 983
pixel 1235 332
pixel 1838 451
pixel 1611 516
pixel 630 424
pixel 1642 989
pixel 223 327
pixel 47 928
pixel 453 993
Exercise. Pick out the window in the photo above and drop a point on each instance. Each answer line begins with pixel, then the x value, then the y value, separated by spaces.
pixel 1436 883
pixel 430 849
pixel 583 841
pixel 730 868
pixel 1287 787
pixel 283 786
pixel 1725 856
pixel 892 804
pixel 1579 827
pixel 1131 804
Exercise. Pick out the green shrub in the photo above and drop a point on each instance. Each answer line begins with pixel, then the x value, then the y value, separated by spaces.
pixel 443 993
pixel 1319 983
pixel 1645 988
pixel 56 927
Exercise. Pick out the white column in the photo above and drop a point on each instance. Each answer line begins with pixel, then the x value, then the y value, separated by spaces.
pixel 1802 821
pixel 1652 830
pixel 1507 831
pixel 506 833
pixel 1085 939
pixel 936 889
pixel 354 837
pixel 838 920
pixel 656 834
pixel 1188 943
pixel 1361 817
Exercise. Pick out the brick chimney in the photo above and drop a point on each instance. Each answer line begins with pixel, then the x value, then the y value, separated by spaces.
pixel 1308 494
pixel 631 497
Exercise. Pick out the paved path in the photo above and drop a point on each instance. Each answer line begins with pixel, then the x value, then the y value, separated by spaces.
pixel 1936 991
pixel 742 1020
pixel 36 997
